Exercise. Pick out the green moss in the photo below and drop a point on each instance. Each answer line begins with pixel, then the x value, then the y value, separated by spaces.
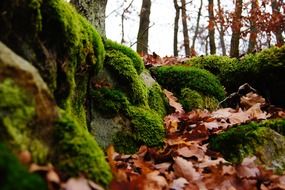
pixel 17 110
pixel 191 99
pixel 277 125
pixel 76 152
pixel 175 78
pixel 14 176
pixel 157 100
pixel 147 126
pixel 136 59
pixel 210 103
pixel 121 66
pixel 80 52
pixel 109 102
pixel 213 63
pixel 237 143
pixel 125 142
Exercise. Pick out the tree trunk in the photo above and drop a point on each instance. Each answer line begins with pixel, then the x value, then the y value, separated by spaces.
pixel 277 21
pixel 185 29
pixel 176 28
pixel 196 29
pixel 142 38
pixel 236 25
pixel 221 30
pixel 211 27
pixel 254 13
pixel 94 11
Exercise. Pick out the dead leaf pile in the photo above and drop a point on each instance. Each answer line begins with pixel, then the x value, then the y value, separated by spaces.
pixel 186 163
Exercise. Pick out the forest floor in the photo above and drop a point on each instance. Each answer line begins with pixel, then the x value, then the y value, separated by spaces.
pixel 184 162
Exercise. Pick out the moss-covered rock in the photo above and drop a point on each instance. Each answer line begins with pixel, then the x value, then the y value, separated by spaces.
pixel 175 78
pixel 136 59
pixel 77 152
pixel 29 120
pixel 147 126
pixel 262 70
pixel 15 176
pixel 252 140
pixel 191 99
pixel 60 43
pixel 157 100
pixel 119 93
pixel 122 67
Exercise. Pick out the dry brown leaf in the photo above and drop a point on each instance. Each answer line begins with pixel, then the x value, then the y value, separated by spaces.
pixel 179 183
pixel 163 167
pixel 173 101
pixel 248 169
pixel 255 112
pixel 76 184
pixel 251 99
pixel 155 181
pixel 52 176
pixel 94 185
pixel 184 168
pixel 190 151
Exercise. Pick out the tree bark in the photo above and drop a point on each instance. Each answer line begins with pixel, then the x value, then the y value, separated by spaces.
pixel 277 21
pixel 94 11
pixel 236 26
pixel 211 27
pixel 196 29
pixel 185 29
pixel 142 37
pixel 254 13
pixel 176 28
pixel 221 29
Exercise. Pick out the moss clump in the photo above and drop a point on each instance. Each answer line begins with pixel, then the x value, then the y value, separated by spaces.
pixel 277 125
pixel 109 102
pixel 79 52
pixel 217 65
pixel 14 176
pixel 124 142
pixel 121 66
pixel 157 100
pixel 76 152
pixel 175 78
pixel 252 139
pixel 17 110
pixel 147 126
pixel 136 60
pixel 237 143
pixel 191 99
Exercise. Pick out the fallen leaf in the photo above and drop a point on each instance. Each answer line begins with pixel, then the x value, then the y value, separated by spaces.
pixel 179 183
pixel 251 99
pixel 173 101
pixel 184 168
pixel 76 184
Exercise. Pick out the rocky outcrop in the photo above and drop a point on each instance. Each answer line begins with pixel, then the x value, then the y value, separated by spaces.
pixel 31 121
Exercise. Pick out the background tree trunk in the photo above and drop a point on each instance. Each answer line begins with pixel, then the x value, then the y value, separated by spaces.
pixel 142 37
pixel 236 25
pixel 185 29
pixel 211 27
pixel 196 29
pixel 277 21
pixel 94 11
pixel 176 28
pixel 221 29
pixel 254 12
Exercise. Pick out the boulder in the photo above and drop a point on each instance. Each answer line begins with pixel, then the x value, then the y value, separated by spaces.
pixel 31 121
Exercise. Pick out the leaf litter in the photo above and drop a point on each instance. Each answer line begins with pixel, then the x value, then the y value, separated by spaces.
pixel 184 162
